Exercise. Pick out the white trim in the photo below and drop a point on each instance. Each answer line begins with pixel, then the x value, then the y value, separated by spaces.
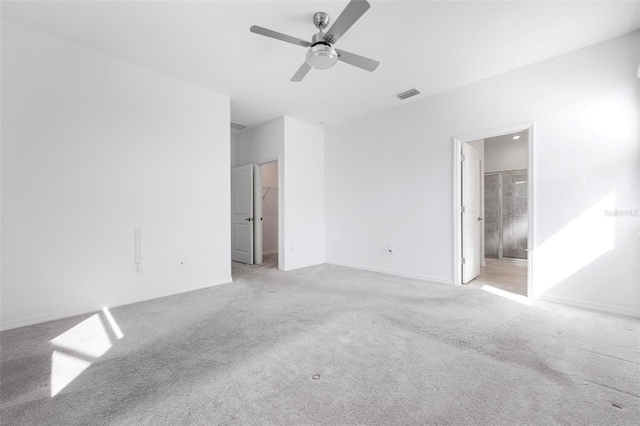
pixel 281 212
pixel 457 211
pixel 270 252
pixel 457 194
pixel 437 280
pixel 93 307
pixel 495 132
pixel 303 266
pixel 531 190
pixel 601 307
pixel 257 214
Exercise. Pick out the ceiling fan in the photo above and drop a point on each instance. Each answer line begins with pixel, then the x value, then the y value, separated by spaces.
pixel 321 54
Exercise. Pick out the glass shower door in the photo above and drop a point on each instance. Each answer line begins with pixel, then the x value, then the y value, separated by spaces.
pixel 492 216
pixel 505 215
pixel 514 215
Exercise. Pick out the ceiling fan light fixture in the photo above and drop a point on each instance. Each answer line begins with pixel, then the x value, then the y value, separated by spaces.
pixel 320 52
pixel 321 56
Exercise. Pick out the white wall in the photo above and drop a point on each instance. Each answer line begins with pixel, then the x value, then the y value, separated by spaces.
pixel 304 194
pixel 92 148
pixel 261 144
pixel 506 156
pixel 270 208
pixel 389 176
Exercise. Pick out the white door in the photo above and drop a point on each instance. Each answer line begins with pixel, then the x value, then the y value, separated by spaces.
pixel 470 213
pixel 242 214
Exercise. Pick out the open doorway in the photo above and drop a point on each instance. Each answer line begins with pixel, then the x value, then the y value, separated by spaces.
pixel 257 205
pixel 268 213
pixel 493 196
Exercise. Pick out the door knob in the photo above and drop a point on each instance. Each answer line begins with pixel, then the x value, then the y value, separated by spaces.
pixel 249 219
pixel 480 218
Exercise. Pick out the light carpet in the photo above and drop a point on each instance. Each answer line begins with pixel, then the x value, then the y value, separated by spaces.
pixel 328 345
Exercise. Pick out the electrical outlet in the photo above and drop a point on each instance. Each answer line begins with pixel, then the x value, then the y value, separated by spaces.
pixel 137 268
pixel 182 263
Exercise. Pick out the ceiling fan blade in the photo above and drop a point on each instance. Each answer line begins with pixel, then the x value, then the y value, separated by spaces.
pixel 302 71
pixel 354 10
pixel 279 36
pixel 357 60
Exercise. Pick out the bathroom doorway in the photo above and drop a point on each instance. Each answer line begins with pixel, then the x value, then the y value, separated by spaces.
pixel 505 214
pixel 501 246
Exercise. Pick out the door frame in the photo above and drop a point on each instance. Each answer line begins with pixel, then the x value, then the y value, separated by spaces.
pixel 257 209
pixel 457 197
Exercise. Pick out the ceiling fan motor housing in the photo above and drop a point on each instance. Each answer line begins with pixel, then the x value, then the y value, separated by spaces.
pixel 321 55
pixel 321 20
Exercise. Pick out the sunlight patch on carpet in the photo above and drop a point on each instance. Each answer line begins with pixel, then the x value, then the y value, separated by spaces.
pixel 511 296
pixel 80 346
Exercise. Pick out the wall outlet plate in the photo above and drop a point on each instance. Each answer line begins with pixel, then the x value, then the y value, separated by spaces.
pixel 137 268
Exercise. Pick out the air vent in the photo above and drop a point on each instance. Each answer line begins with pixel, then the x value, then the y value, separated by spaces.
pixel 407 94
pixel 238 126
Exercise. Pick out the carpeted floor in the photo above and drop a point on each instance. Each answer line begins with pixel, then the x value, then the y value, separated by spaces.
pixel 325 345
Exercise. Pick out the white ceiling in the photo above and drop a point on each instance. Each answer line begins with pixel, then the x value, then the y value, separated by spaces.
pixel 500 140
pixel 434 46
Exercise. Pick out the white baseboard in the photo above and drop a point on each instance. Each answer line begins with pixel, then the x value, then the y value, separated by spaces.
pixel 305 265
pixel 601 307
pixel 89 308
pixel 429 278
pixel 270 252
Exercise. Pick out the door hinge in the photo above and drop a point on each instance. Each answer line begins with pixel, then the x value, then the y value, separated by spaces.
pixel 461 157
pixel 463 209
pixel 463 261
